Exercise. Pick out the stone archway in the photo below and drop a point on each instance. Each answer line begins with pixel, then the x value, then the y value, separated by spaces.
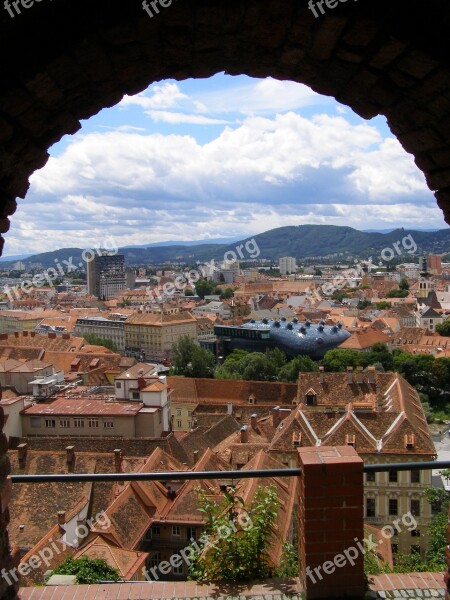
pixel 76 58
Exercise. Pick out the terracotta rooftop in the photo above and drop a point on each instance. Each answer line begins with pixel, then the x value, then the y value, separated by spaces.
pixel 85 407
pixel 159 320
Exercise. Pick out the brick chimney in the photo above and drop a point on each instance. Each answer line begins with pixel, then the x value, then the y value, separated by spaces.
pixel 195 455
pixel 359 375
pixel 118 460
pixel 22 455
pixel 349 375
pixel 25 333
pixel 371 374
pixel 70 458
pixel 275 416
pixel 244 434
pixel 254 421
pixel 61 518
pixel 321 374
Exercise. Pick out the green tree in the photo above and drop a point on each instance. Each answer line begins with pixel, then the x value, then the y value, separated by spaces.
pixel 397 294
pixel 191 361
pixel 338 360
pixel 98 341
pixel 236 537
pixel 87 570
pixel 188 292
pixel 204 287
pixel 404 284
pixel 300 364
pixel 444 328
pixel 383 305
pixel 228 293
pixel 362 304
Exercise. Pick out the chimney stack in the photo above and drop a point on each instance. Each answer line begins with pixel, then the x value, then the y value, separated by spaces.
pixel 321 373
pixel 254 421
pixel 118 460
pixel 70 458
pixel 195 453
pixel 61 518
pixel 371 372
pixel 229 408
pixel 359 376
pixel 275 416
pixel 22 454
pixel 350 375
pixel 244 434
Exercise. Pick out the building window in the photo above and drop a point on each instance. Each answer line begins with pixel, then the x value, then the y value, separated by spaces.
pixel 370 507
pixel 191 533
pixel 35 422
pixel 415 476
pixel 108 423
pixel 64 423
pixel 178 412
pixel 415 532
pixel 415 508
pixel 155 559
pixel 393 476
pixel 370 477
pixel 50 423
pixel 135 395
pixel 189 413
pixel 393 506
pixel 311 400
pixel 156 530
pixel 189 424
pixel 178 423
pixel 118 384
pixel 176 530
pixel 92 423
pixel 178 568
pixel 79 423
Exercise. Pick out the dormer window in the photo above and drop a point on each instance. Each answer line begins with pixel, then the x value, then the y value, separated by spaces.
pixel 297 439
pixel 409 441
pixel 251 399
pixel 311 398
pixel 350 440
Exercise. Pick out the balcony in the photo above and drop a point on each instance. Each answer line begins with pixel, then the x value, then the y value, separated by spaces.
pixel 329 526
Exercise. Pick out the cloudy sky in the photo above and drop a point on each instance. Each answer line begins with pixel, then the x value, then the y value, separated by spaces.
pixel 220 157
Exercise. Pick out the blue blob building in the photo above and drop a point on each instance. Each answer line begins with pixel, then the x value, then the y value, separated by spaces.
pixel 291 337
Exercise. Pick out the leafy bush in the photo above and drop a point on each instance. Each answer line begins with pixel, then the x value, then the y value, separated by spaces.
pixel 87 570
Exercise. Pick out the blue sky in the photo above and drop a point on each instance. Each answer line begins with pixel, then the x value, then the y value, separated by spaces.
pixel 219 157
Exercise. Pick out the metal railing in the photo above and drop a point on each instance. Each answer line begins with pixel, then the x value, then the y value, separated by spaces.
pixel 208 475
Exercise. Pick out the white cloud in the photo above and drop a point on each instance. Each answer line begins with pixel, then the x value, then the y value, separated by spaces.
pixel 176 118
pixel 264 173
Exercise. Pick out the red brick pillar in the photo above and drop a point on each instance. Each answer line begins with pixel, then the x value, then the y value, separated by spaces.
pixel 330 519
pixel 8 560
pixel 447 556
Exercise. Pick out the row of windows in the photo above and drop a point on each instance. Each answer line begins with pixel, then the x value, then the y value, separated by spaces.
pixel 155 531
pixel 180 424
pixel 78 423
pixel 180 412
pixel 393 476
pixel 393 507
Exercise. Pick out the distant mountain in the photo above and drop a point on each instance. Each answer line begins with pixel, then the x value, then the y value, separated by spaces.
pixel 188 243
pixel 303 241
pixel 14 257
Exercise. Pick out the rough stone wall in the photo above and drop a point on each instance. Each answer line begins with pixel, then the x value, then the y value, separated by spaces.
pixel 9 558
pixel 77 57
